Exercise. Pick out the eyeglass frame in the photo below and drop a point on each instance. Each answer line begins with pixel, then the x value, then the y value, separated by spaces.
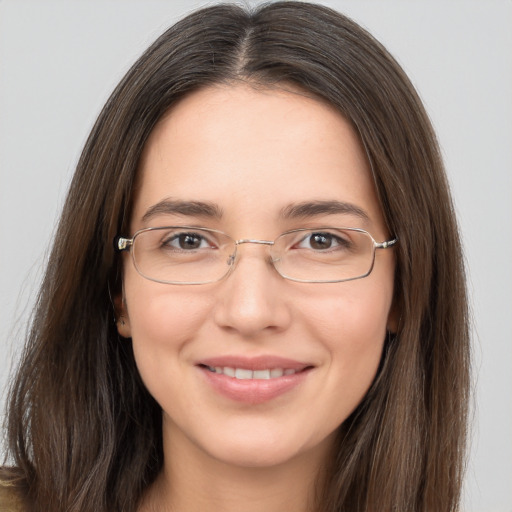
pixel 122 244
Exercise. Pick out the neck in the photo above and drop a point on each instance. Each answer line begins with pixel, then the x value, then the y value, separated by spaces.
pixel 193 481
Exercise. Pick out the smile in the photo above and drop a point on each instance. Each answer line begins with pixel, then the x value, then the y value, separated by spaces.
pixel 254 380
pixel 247 374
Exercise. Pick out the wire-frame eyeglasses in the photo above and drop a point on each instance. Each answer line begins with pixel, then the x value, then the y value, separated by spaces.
pixel 189 255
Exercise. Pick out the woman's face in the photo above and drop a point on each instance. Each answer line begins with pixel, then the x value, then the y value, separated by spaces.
pixel 250 156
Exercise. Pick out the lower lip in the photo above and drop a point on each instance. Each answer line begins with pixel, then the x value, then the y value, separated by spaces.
pixel 253 391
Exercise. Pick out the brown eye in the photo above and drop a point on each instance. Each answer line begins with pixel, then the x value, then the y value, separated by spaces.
pixel 186 241
pixel 189 241
pixel 320 241
pixel 324 241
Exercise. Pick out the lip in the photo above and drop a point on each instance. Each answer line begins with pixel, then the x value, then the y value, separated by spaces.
pixel 253 391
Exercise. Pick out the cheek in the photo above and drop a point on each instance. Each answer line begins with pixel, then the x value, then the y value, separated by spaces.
pixel 355 314
pixel 162 320
pixel 351 326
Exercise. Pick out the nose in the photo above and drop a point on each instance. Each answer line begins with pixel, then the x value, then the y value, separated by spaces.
pixel 252 300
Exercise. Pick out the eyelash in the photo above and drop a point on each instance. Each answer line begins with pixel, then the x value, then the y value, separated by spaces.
pixel 167 241
pixel 340 242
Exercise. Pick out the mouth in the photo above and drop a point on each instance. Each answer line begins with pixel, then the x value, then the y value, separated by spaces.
pixel 254 380
pixel 248 374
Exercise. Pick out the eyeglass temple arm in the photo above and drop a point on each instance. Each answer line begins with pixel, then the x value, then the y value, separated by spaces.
pixel 121 243
pixel 386 244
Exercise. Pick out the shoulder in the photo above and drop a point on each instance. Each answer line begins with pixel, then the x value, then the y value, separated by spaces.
pixel 11 493
pixel 10 499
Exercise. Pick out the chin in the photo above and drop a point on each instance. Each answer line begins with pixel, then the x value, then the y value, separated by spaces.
pixel 263 449
pixel 257 455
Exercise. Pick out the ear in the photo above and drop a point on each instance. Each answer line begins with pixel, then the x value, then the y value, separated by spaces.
pixel 122 319
pixel 393 318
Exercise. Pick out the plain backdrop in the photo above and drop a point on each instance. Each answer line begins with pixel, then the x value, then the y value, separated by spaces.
pixel 59 60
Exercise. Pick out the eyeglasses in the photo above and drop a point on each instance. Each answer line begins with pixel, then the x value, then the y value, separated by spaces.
pixel 191 255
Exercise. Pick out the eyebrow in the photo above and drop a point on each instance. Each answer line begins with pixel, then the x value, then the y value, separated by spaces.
pixel 316 208
pixel 292 211
pixel 188 208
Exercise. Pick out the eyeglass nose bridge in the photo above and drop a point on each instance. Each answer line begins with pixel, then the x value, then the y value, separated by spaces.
pixel 232 257
pixel 250 241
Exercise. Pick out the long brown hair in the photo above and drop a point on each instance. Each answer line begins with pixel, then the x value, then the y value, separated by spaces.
pixel 84 433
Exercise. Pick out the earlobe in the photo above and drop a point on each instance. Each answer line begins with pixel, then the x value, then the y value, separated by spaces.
pixel 123 327
pixel 393 318
pixel 392 325
pixel 122 319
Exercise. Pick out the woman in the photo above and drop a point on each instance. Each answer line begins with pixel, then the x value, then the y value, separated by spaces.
pixel 271 326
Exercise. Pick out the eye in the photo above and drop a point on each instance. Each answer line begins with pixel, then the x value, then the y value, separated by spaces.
pixel 322 241
pixel 186 241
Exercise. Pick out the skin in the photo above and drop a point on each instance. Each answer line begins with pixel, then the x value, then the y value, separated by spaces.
pixel 252 153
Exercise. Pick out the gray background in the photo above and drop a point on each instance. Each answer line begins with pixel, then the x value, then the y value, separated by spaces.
pixel 60 59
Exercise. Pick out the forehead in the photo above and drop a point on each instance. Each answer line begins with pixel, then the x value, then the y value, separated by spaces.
pixel 253 152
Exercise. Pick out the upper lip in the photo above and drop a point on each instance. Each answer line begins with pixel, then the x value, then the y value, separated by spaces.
pixel 262 362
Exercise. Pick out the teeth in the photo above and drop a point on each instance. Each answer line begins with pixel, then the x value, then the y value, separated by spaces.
pixel 230 372
pixel 245 374
pixel 261 374
pixel 240 373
